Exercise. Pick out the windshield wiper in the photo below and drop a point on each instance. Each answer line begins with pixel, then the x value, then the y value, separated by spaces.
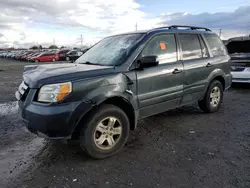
pixel 90 63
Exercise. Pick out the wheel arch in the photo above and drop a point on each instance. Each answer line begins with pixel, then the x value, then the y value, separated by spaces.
pixel 221 79
pixel 118 101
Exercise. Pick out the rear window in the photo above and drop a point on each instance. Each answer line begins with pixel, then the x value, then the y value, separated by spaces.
pixel 48 54
pixel 191 48
pixel 216 45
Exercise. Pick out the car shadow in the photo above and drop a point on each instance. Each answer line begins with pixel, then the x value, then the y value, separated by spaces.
pixel 240 86
pixel 60 151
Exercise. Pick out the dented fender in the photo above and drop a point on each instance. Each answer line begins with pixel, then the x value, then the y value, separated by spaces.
pixel 97 90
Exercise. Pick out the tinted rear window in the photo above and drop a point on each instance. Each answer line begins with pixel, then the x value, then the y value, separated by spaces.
pixel 216 45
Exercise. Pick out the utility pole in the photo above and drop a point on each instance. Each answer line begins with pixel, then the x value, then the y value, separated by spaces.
pixel 136 26
pixel 81 40
pixel 220 33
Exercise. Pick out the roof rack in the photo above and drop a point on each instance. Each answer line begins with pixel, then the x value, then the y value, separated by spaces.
pixel 183 26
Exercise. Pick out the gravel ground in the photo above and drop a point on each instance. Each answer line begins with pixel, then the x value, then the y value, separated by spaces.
pixel 179 148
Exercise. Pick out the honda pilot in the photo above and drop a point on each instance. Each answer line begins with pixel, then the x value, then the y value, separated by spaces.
pixel 124 78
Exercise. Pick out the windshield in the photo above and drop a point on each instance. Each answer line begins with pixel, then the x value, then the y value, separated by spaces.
pixel 111 51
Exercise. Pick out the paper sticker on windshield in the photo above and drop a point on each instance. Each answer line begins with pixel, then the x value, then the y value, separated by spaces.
pixel 163 46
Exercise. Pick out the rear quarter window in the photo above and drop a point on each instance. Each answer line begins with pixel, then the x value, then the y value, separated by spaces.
pixel 216 45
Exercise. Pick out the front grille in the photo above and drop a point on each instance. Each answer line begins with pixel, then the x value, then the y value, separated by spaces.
pixel 23 90
pixel 237 69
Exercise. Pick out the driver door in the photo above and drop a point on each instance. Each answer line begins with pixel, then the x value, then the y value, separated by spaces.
pixel 160 88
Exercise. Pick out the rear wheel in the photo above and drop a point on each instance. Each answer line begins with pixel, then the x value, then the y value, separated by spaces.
pixel 105 132
pixel 213 97
pixel 67 58
pixel 53 59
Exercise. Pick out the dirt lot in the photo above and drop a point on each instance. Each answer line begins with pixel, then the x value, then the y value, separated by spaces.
pixel 179 148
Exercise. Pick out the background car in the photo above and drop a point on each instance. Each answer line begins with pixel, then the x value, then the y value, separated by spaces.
pixel 62 54
pixel 239 51
pixel 46 57
pixel 74 54
pixel 29 58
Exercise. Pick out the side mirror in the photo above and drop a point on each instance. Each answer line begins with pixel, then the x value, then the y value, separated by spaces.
pixel 148 61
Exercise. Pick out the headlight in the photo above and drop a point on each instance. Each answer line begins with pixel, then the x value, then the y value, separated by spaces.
pixel 54 92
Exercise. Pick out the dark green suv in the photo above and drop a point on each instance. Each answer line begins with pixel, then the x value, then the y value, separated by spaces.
pixel 123 78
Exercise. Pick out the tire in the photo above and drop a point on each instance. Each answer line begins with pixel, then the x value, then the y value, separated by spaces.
pixel 95 143
pixel 211 104
pixel 67 59
pixel 53 60
pixel 36 61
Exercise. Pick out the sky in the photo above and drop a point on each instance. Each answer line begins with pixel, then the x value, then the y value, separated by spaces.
pixel 24 23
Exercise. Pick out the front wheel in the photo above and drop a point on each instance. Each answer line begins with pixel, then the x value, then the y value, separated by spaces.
pixel 53 60
pixel 105 132
pixel 213 97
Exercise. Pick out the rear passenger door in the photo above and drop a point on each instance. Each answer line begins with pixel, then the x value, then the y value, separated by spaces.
pixel 196 61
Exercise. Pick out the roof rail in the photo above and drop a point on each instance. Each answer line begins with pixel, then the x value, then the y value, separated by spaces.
pixel 182 26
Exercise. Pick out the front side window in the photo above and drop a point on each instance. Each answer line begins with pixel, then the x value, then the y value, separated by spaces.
pixel 72 52
pixel 112 51
pixel 191 48
pixel 216 45
pixel 163 46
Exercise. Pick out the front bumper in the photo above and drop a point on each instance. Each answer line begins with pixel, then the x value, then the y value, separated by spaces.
pixel 242 76
pixel 53 121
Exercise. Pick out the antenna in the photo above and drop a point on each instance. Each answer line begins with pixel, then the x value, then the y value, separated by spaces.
pixel 220 33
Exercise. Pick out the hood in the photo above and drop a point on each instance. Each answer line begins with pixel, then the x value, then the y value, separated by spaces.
pixel 37 75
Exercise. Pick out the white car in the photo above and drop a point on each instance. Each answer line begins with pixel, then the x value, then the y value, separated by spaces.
pixel 239 50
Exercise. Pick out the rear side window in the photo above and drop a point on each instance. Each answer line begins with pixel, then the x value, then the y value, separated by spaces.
pixel 191 48
pixel 216 45
pixel 73 52
pixel 163 46
pixel 48 54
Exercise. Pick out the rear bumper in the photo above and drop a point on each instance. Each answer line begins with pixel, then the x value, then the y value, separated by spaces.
pixel 51 121
pixel 241 77
pixel 228 81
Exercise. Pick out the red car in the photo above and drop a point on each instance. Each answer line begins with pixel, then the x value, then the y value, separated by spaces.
pixel 46 57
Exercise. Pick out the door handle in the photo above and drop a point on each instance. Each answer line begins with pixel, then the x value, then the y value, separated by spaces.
pixel 177 71
pixel 130 82
pixel 209 65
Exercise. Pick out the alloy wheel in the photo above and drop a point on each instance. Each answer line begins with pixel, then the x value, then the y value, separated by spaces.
pixel 107 133
pixel 215 96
